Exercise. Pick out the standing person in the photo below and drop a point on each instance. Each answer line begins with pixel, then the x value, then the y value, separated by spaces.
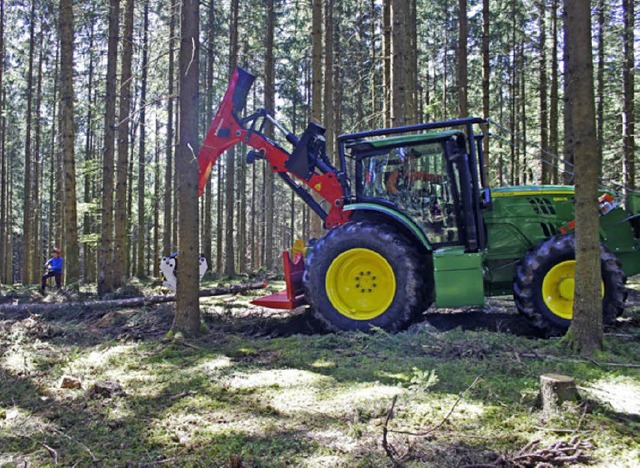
pixel 54 268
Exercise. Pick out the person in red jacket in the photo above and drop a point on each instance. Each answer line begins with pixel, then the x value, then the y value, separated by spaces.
pixel 54 268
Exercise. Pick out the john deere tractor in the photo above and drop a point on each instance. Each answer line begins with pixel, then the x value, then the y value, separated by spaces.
pixel 411 221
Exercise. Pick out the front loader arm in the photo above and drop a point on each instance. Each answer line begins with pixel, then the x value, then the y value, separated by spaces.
pixel 227 130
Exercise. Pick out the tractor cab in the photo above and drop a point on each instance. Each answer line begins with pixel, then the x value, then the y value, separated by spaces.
pixel 430 179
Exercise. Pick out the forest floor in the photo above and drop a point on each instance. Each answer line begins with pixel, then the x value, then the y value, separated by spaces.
pixel 268 388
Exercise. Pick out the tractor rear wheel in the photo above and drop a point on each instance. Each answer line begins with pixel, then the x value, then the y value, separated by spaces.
pixel 363 274
pixel 544 284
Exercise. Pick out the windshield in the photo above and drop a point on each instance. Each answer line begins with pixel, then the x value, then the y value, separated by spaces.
pixel 415 178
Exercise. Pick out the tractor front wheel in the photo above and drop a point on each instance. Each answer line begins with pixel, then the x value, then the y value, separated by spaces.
pixel 544 284
pixel 363 274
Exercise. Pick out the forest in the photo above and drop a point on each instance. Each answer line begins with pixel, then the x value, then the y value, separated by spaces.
pixel 109 200
pixel 103 108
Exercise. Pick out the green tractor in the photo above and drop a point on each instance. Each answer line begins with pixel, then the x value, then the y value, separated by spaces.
pixel 411 221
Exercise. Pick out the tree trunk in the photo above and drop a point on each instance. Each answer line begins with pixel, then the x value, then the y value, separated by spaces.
pixel 386 57
pixel 105 250
pixel 463 105
pixel 486 77
pixel 230 173
pixel 27 226
pixel 553 93
pixel 600 79
pixel 3 161
pixel 586 325
pixel 167 244
pixel 316 90
pixel 399 61
pixel 88 270
pixel 36 214
pixel 140 270
pixel 52 309
pixel 71 246
pixel 329 78
pixel 122 162
pixel 187 318
pixel 628 117
pixel 546 162
pixel 269 102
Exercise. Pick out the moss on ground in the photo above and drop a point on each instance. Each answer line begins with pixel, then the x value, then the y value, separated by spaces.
pixel 258 389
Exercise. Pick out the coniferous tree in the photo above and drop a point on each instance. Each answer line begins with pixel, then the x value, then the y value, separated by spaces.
pixel 105 251
pixel 586 325
pixel 187 317
pixel 71 246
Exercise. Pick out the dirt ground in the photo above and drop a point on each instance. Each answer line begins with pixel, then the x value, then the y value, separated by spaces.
pixel 233 314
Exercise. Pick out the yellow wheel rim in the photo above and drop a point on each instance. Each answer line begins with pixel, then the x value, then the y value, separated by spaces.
pixel 558 289
pixel 360 284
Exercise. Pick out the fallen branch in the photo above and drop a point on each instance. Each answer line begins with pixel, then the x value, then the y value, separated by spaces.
pixel 389 449
pixel 52 452
pixel 39 308
pixel 446 418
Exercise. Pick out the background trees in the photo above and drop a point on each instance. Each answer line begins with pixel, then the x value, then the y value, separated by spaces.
pixel 334 62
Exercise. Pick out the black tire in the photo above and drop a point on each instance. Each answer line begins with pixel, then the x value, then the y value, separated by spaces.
pixel 341 284
pixel 538 263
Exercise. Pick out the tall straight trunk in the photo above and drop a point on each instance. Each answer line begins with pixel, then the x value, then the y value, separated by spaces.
pixel 105 250
pixel 71 246
pixel 269 102
pixel 88 270
pixel 156 254
pixel 220 219
pixel 386 54
pixel 27 225
pixel 35 193
pixel 167 245
pixel 486 76
pixel 3 160
pixel 554 142
pixel 463 32
pixel 628 113
pixel 140 270
pixel 586 325
pixel 546 162
pixel 208 195
pixel 329 80
pixel 411 96
pixel 600 79
pixel 229 212
pixel 122 161
pixel 187 317
pixel 316 88
pixel 399 61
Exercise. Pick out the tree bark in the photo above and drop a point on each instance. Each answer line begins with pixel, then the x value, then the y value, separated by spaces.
pixel 546 163
pixel 628 113
pixel 230 166
pixel 187 318
pixel 140 266
pixel 399 61
pixel 62 307
pixel 269 102
pixel 27 225
pixel 122 162
pixel 586 325
pixel 67 137
pixel 463 105
pixel 105 250
pixel 167 245
pixel 316 90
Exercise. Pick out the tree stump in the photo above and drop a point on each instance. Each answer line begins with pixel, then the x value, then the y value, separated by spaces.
pixel 556 389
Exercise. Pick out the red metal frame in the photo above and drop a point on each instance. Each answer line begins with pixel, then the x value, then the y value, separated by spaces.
pixel 226 130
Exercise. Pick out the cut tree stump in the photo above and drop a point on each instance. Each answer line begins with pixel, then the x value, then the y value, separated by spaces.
pixel 555 389
pixel 40 307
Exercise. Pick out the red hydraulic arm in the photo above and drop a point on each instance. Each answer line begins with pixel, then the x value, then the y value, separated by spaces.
pixel 227 130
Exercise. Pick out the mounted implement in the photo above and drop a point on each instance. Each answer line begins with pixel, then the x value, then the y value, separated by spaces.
pixel 411 221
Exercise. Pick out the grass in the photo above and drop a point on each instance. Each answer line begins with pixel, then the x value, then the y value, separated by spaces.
pixel 251 393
